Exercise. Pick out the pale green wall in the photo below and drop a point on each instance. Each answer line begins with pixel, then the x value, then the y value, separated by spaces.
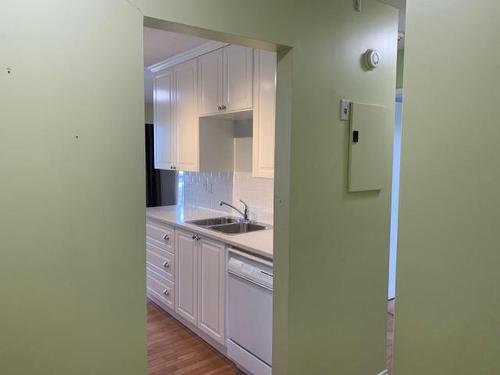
pixel 72 270
pixel 72 288
pixel 448 305
pixel 149 113
pixel 399 76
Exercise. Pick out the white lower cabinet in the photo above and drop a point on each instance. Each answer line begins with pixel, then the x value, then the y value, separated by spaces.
pixel 211 290
pixel 199 283
pixel 186 285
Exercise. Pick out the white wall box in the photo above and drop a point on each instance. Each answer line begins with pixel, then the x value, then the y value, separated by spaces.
pixel 370 137
pixel 264 113
pixel 200 283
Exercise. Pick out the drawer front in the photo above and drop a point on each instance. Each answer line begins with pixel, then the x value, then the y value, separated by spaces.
pixel 160 290
pixel 161 261
pixel 161 236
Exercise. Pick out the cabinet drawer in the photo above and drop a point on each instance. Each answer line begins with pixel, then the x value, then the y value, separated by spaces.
pixel 160 289
pixel 161 261
pixel 160 236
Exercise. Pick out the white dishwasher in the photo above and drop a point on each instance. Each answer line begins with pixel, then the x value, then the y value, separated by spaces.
pixel 249 312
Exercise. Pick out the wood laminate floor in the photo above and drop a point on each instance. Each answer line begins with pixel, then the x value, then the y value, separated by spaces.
pixel 175 350
pixel 390 333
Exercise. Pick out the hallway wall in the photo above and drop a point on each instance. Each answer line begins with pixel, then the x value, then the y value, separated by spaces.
pixel 448 304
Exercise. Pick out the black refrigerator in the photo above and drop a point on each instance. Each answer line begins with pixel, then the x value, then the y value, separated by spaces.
pixel 160 184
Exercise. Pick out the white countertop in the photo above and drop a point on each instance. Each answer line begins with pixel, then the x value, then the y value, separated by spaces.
pixel 259 242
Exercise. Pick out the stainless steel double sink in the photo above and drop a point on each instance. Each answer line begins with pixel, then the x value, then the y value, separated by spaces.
pixel 229 225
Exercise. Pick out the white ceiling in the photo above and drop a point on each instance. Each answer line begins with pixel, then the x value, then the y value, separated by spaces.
pixel 401 5
pixel 160 45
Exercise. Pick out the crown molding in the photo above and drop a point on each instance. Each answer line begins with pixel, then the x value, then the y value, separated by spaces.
pixel 186 55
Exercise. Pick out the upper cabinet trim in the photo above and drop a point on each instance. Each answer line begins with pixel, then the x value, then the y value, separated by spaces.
pixel 187 55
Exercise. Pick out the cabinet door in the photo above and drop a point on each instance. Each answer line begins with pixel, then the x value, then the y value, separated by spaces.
pixel 164 131
pixel 264 113
pixel 186 116
pixel 210 83
pixel 186 276
pixel 211 289
pixel 238 72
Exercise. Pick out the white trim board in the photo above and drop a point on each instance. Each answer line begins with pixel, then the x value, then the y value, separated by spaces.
pixel 385 372
pixel 186 55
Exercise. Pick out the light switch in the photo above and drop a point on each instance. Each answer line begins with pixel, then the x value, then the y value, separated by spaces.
pixel 345 109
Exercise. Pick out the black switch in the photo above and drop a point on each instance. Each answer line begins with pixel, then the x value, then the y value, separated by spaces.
pixel 355 136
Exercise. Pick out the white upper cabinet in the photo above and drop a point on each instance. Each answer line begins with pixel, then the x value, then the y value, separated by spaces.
pixel 264 113
pixel 164 130
pixel 238 81
pixel 225 80
pixel 210 83
pixel 186 116
pixel 197 100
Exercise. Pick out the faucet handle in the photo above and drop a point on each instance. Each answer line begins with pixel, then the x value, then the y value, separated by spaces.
pixel 246 212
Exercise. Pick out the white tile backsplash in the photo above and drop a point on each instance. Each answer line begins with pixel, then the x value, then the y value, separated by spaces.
pixel 208 189
pixel 258 193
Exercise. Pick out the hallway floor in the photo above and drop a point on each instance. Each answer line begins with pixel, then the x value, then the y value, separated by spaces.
pixel 175 350
pixel 390 334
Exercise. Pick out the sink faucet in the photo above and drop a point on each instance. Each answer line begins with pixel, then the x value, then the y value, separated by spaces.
pixel 244 213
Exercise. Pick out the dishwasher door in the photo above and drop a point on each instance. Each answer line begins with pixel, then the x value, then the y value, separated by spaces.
pixel 250 307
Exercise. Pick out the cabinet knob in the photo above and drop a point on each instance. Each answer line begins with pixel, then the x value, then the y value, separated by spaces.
pixel 166 292
pixel 166 237
pixel 219 107
pixel 166 264
pixel 223 107
pixel 193 237
pixel 198 238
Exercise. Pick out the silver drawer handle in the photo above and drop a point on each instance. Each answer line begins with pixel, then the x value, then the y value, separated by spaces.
pixel 166 292
pixel 166 264
pixel 166 237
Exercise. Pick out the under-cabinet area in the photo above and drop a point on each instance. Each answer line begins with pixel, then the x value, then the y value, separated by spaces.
pixel 210 109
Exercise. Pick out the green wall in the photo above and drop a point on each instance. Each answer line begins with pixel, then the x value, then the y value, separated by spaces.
pixel 72 270
pixel 148 113
pixel 448 306
pixel 72 278
pixel 400 66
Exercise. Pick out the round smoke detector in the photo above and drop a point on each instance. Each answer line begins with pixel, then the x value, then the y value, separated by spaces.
pixel 372 59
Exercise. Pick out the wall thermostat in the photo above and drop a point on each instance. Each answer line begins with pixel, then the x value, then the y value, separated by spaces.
pixel 372 59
